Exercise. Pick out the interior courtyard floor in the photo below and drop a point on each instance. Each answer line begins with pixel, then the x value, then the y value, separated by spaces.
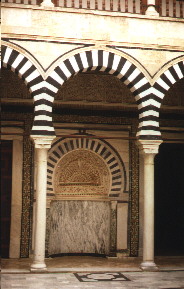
pixel 93 272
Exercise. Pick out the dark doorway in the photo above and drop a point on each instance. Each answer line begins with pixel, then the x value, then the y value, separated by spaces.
pixel 6 189
pixel 169 200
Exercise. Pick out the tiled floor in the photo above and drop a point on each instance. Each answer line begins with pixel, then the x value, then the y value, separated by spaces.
pixel 141 280
pixel 93 273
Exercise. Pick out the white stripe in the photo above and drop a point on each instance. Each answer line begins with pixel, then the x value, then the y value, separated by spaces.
pixel 105 59
pixel 65 70
pixel 51 87
pixel 134 74
pixel 143 94
pixel 43 128
pixel 95 58
pixel 43 117
pixel 148 132
pixel 115 64
pixel 170 77
pixel 157 92
pixel 56 77
pixel 37 86
pixel 148 113
pixel 125 68
pixel 74 63
pixel 26 66
pixel 149 102
pixel 178 71
pixel 44 96
pixel 148 122
pixel 162 84
pixel 17 61
pixel 84 61
pixel 32 76
pixel 139 84
pixel 7 55
pixel 43 107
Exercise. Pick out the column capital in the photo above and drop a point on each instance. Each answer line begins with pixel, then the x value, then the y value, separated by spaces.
pixel 149 146
pixel 42 142
pixel 151 11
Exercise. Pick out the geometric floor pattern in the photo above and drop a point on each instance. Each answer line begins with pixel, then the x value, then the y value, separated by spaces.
pixel 100 277
pixel 138 280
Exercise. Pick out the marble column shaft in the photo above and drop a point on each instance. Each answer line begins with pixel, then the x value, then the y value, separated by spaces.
pixel 40 224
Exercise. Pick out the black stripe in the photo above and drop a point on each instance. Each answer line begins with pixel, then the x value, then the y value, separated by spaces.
pixel 43 112
pixel 52 159
pixel 166 80
pixel 117 177
pixel 50 165
pixel 49 183
pixel 35 81
pixel 150 117
pixel 77 142
pixel 61 149
pixel 87 142
pixel 141 89
pixel 71 144
pixel 149 127
pixel 149 107
pixel 82 143
pixel 116 184
pixel 100 58
pixel 136 80
pixel 103 151
pixel 107 155
pixel 53 82
pixel 49 177
pixel 110 62
pixel 89 58
pixel 113 166
pixel 150 137
pixel 38 91
pixel 69 66
pixel 3 50
pixel 111 160
pixel 174 74
pixel 115 190
pixel 160 88
pixel 97 148
pixel 43 132
pixel 28 72
pixel 43 123
pixel 43 101
pixel 56 154
pixel 113 195
pixel 66 146
pixel 120 66
pixel 115 172
pixel 181 66
pixel 49 171
pixel 130 71
pixel 60 73
pixel 79 61
pixel 12 57
pixel 92 144
pixel 21 64
pixel 149 97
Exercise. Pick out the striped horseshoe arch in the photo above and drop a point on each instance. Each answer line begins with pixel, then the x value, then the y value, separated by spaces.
pixel 22 66
pixel 100 60
pixel 102 149
pixel 161 86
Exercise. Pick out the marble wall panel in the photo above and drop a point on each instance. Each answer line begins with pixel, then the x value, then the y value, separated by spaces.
pixel 79 227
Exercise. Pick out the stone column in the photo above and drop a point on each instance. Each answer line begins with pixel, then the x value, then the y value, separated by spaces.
pixel 41 145
pixel 151 11
pixel 149 149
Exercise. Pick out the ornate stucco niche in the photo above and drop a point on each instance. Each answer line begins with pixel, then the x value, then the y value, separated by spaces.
pixel 84 168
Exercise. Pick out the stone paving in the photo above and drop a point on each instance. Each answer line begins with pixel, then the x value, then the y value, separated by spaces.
pixel 141 280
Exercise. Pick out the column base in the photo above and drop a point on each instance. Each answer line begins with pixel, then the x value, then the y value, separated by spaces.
pixel 149 266
pixel 151 11
pixel 38 267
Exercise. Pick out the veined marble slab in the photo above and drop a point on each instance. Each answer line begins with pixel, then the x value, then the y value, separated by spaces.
pixel 79 227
